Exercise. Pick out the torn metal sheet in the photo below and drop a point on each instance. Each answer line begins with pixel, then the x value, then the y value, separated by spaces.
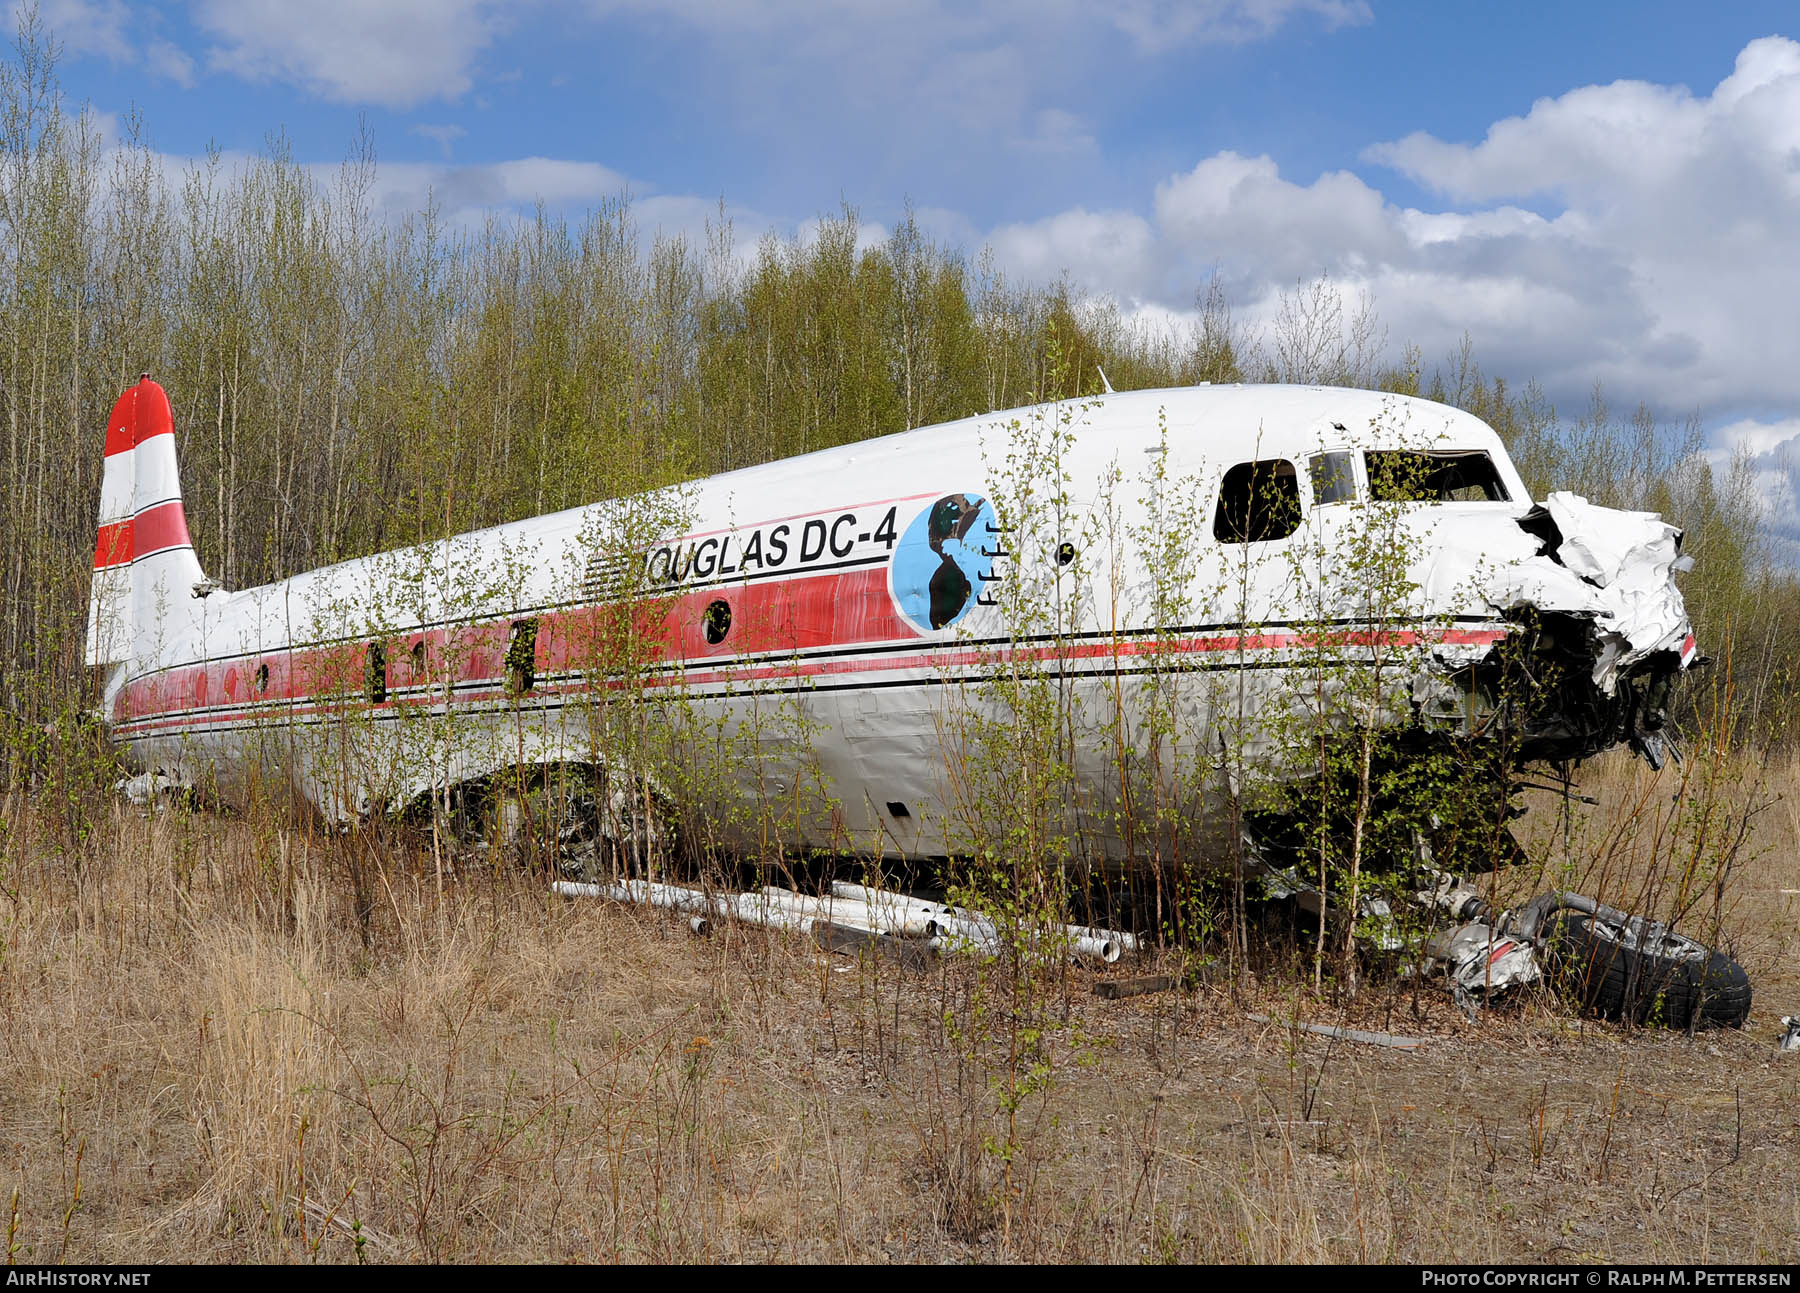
pixel 150 790
pixel 1628 558
pixel 1478 962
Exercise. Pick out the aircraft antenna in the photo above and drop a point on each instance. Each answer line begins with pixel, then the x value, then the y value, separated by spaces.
pixel 1106 385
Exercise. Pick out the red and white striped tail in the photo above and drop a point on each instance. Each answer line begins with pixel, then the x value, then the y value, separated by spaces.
pixel 144 563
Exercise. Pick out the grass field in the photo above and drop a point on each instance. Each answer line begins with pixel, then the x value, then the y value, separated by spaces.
pixel 207 1053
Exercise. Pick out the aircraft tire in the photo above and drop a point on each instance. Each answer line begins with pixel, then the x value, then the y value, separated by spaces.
pixel 1677 984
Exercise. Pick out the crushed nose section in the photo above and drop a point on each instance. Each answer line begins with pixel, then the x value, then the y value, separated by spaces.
pixel 1602 631
pixel 1543 677
pixel 1629 559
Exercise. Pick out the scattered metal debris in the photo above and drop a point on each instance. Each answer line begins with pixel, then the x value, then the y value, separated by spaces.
pixel 1616 965
pixel 853 909
pixel 150 792
pixel 1790 1035
pixel 907 953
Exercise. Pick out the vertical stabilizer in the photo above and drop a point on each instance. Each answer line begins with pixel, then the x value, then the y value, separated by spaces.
pixel 145 571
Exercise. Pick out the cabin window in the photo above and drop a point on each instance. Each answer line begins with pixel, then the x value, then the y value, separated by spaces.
pixel 262 678
pixel 418 659
pixel 716 622
pixel 1439 476
pixel 1258 502
pixel 1333 477
pixel 521 657
pixel 378 674
pixel 1065 553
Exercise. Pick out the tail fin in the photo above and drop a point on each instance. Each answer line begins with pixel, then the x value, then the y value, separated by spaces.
pixel 145 571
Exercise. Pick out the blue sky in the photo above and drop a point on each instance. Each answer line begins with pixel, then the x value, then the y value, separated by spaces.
pixel 756 102
pixel 1597 192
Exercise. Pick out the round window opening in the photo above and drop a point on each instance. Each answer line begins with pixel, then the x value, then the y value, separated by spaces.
pixel 717 621
pixel 1065 553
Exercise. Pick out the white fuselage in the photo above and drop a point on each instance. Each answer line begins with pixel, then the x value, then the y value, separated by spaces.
pixel 836 629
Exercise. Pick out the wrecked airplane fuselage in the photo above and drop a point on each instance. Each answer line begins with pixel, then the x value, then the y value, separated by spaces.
pixel 1199 580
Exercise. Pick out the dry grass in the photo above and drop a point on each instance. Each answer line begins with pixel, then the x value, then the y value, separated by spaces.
pixel 206 1055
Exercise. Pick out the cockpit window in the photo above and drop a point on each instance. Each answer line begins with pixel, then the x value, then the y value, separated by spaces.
pixel 1442 476
pixel 1333 477
pixel 1258 502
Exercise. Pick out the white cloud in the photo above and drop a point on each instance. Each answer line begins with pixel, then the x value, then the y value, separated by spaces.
pixel 1600 143
pixel 948 86
pixel 983 64
pixel 1242 208
pixel 1676 226
pixel 83 26
pixel 398 53
pixel 1768 455
pixel 1156 25
pixel 1114 248
pixel 466 194
pixel 1056 133
pixel 109 29
pixel 443 136
pixel 1755 438
pixel 170 62
pixel 696 220
pixel 1661 259
pixel 949 229
pixel 869 233
pixel 102 127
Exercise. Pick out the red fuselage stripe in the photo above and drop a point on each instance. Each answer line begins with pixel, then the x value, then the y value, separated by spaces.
pixel 293 702
pixel 842 610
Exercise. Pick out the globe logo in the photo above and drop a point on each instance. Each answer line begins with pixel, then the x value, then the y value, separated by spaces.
pixel 943 560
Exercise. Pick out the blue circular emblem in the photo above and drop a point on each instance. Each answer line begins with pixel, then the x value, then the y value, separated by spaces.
pixel 945 560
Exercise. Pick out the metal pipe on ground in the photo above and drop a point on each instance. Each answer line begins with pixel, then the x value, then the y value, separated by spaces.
pixel 777 908
pixel 885 918
pixel 645 892
pixel 750 909
pixel 900 913
pixel 1089 940
pixel 983 936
